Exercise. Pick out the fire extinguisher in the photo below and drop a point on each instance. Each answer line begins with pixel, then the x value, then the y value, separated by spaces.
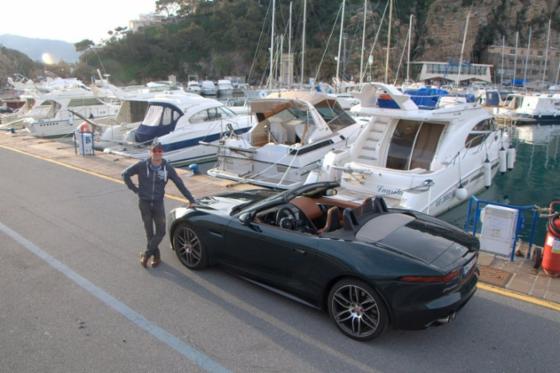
pixel 550 262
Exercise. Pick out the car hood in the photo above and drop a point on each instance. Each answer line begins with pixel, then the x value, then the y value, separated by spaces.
pixel 427 240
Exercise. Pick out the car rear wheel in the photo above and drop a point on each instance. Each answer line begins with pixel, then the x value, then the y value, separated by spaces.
pixel 357 310
pixel 189 248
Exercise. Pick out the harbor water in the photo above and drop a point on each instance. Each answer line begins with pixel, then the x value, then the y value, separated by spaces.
pixel 535 180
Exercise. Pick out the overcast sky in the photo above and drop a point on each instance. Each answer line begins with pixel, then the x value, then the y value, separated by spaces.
pixel 69 20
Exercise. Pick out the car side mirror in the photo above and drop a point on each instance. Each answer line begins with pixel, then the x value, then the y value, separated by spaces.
pixel 245 218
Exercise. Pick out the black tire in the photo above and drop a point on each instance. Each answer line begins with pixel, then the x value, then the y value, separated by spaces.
pixel 537 258
pixel 357 310
pixel 189 248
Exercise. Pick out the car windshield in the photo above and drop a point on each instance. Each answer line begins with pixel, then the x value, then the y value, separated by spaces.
pixel 287 195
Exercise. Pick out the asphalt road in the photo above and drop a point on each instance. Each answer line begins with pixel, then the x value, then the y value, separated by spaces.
pixel 73 298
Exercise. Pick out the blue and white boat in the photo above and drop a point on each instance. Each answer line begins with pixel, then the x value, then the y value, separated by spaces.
pixel 180 123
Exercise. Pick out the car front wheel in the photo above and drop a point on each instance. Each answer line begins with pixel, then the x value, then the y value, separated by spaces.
pixel 357 310
pixel 189 248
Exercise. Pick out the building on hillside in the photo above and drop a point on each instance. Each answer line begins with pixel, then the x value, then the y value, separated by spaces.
pixel 530 64
pixel 444 72
pixel 145 20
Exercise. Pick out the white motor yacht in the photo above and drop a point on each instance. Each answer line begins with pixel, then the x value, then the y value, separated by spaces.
pixel 529 109
pixel 294 130
pixel 179 123
pixel 53 116
pixel 208 88
pixel 194 87
pixel 225 88
pixel 426 160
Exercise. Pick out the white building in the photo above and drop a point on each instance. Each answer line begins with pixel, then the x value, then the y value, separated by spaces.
pixel 145 20
pixel 449 71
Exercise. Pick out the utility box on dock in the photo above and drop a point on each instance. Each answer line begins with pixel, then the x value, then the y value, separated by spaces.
pixel 498 229
pixel 83 139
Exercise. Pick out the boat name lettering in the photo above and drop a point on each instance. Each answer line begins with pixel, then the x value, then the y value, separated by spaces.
pixel 382 189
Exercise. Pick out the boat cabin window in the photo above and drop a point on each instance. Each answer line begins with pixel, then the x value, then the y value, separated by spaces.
pixel 215 113
pixel 334 115
pixel 161 116
pixel 226 113
pixel 153 116
pixel 480 132
pixel 413 145
pixel 514 102
pixel 199 117
pixel 88 101
pixel 132 111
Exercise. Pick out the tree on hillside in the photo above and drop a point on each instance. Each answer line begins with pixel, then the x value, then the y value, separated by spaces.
pixel 83 45
pixel 179 7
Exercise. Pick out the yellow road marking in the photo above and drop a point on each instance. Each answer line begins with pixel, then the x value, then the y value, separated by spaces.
pixel 75 168
pixel 520 296
pixel 486 287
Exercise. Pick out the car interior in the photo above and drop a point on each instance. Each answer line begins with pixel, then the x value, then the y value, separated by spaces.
pixel 321 215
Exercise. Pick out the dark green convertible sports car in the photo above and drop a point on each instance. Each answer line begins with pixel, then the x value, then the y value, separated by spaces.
pixel 368 265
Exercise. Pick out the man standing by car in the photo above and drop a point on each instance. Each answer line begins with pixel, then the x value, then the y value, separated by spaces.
pixel 153 174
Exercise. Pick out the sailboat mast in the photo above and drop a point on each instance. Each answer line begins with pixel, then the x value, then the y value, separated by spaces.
pixel 303 40
pixel 527 58
pixel 546 53
pixel 502 69
pixel 363 44
pixel 290 31
pixel 272 45
pixel 515 58
pixel 340 47
pixel 388 41
pixel 408 53
pixel 463 48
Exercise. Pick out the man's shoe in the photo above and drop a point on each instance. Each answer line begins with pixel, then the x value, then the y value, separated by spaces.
pixel 155 261
pixel 144 261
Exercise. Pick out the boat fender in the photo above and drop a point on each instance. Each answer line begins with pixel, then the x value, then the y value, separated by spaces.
pixel 511 157
pixel 503 161
pixel 461 193
pixel 195 169
pixel 487 170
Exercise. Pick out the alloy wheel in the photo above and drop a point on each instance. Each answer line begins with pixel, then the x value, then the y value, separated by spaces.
pixel 355 311
pixel 188 247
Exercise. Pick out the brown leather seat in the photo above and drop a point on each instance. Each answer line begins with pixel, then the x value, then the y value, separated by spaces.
pixel 332 221
pixel 308 206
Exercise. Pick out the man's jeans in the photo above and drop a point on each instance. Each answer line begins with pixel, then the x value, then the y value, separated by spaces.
pixel 153 213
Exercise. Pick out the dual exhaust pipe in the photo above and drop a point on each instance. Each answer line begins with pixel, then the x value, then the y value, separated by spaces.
pixel 443 320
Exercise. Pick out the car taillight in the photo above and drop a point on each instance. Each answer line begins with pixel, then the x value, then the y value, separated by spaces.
pixel 432 279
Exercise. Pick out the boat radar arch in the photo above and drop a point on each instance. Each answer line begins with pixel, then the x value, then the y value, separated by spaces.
pixel 370 92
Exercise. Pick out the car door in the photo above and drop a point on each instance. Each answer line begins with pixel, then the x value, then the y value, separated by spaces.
pixel 266 253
